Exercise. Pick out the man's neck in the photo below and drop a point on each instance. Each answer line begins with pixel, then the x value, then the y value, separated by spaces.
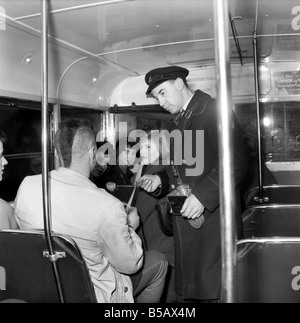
pixel 188 97
pixel 84 171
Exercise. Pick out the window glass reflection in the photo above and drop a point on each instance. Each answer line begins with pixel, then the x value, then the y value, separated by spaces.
pixel 23 129
pixel 280 130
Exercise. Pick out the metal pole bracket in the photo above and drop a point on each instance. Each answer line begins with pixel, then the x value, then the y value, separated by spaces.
pixel 261 200
pixel 55 257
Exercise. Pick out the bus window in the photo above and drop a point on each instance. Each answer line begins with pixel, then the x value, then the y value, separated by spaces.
pixel 280 137
pixel 281 130
pixel 23 147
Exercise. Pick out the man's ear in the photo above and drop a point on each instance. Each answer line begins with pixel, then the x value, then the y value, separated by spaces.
pixel 92 153
pixel 56 154
pixel 179 84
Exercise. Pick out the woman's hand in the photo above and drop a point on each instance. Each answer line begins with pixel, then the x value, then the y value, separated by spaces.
pixel 149 183
pixel 111 186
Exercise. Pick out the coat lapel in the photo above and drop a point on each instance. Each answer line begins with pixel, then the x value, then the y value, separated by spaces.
pixel 196 101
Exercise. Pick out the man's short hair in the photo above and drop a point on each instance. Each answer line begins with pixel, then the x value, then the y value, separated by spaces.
pixel 64 138
pixel 3 136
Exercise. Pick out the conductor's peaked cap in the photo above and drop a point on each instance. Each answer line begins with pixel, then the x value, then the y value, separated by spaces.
pixel 160 75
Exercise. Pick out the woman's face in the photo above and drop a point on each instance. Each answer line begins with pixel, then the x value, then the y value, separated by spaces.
pixel 127 157
pixel 149 152
pixel 3 161
pixel 131 156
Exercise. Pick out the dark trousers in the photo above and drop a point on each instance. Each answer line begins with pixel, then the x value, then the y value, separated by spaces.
pixel 148 283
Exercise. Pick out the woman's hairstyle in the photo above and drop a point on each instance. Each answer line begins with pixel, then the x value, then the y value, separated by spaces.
pixel 3 137
pixel 147 127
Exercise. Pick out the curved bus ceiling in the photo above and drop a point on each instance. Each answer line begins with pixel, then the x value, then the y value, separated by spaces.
pixel 100 50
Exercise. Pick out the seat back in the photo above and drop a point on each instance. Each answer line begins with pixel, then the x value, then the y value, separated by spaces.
pixel 29 275
pixel 276 194
pixel 272 221
pixel 268 270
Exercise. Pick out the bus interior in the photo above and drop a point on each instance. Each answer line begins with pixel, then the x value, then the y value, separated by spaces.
pixel 98 55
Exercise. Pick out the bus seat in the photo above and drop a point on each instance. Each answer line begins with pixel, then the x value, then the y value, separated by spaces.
pixel 7 219
pixel 276 194
pixel 267 270
pixel 28 273
pixel 272 221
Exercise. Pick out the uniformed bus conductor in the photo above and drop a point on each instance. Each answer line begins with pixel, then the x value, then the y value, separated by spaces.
pixel 197 251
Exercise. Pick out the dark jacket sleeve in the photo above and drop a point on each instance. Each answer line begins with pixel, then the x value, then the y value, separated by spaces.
pixel 164 190
pixel 207 188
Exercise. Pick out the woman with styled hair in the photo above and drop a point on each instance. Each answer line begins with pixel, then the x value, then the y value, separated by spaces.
pixel 7 219
pixel 155 157
pixel 155 148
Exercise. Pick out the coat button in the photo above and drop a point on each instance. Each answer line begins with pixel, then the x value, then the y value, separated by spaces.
pixel 126 289
pixel 173 187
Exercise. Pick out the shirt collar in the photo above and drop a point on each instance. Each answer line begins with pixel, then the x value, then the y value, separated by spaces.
pixel 187 104
pixel 71 177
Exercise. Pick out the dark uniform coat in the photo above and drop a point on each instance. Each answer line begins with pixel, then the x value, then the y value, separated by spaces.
pixel 153 236
pixel 198 251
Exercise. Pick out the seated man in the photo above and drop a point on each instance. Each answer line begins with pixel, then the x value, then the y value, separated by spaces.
pixel 94 219
pixel 7 220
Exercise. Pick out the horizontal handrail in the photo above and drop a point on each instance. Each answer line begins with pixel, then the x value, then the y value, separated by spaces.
pixel 270 240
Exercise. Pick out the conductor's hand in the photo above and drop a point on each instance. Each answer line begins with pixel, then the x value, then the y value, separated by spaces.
pixel 111 186
pixel 149 183
pixel 133 218
pixel 192 208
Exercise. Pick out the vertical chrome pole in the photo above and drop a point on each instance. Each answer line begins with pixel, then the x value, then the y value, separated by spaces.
pixel 45 147
pixel 226 162
pixel 256 74
pixel 56 121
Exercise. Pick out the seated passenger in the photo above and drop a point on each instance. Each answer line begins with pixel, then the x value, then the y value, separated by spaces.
pixel 154 159
pixel 119 174
pixel 94 219
pixel 102 164
pixel 7 219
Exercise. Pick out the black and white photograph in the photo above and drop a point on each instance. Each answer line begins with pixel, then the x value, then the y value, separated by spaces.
pixel 149 154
